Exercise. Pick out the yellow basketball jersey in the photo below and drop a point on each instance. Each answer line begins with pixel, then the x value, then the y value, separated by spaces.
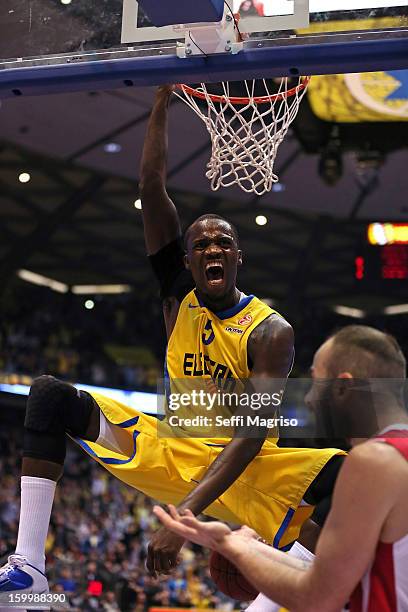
pixel 208 351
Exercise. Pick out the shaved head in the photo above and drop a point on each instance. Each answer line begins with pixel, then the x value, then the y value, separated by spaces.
pixel 365 352
pixel 359 376
pixel 211 216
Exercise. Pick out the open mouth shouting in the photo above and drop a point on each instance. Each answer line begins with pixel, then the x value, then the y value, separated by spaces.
pixel 214 272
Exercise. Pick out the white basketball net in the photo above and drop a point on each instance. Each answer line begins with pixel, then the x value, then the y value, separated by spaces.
pixel 245 132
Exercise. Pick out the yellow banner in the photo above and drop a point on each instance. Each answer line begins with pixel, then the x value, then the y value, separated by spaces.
pixel 353 98
pixel 369 96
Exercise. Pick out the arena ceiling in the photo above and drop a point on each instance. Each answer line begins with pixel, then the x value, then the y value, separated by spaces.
pixel 75 221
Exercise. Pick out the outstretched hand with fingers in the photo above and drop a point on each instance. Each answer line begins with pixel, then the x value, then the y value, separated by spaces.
pixel 211 535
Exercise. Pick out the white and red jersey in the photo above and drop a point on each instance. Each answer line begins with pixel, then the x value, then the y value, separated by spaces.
pixel 384 587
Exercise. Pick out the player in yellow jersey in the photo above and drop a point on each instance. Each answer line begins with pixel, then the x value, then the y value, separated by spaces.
pixel 215 333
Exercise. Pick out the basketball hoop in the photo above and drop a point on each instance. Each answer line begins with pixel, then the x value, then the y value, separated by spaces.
pixel 245 131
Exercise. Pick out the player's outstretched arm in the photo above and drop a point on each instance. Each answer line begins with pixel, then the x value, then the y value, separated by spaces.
pixel 160 218
pixel 347 544
pixel 346 547
pixel 219 537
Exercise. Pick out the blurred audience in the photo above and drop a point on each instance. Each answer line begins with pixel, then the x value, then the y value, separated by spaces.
pixel 121 341
pixel 97 541
pixel 105 346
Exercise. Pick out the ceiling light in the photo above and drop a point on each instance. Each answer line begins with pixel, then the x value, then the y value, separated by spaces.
pixel 396 309
pixel 261 220
pixel 44 281
pixel 278 187
pixel 89 304
pixel 100 289
pixel 24 177
pixel 112 147
pixel 346 311
pixel 66 1
pixel 138 204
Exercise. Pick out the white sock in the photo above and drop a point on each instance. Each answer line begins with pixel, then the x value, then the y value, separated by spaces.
pixel 37 497
pixel 114 438
pixel 263 603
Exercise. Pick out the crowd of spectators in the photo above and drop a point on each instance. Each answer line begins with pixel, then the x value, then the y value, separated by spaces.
pixel 100 528
pixel 121 341
pixel 105 346
pixel 97 541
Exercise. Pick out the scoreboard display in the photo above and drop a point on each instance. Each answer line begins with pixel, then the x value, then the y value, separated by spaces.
pixel 384 256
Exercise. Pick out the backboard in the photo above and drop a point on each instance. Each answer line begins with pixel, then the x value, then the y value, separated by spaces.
pixel 71 45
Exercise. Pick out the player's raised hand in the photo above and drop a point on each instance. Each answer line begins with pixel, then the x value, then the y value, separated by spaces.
pixel 165 90
pixel 163 552
pixel 210 535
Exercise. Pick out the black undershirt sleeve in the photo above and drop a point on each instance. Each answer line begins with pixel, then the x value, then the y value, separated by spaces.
pixel 168 267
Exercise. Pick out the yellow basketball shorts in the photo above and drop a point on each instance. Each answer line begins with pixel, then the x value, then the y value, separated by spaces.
pixel 267 496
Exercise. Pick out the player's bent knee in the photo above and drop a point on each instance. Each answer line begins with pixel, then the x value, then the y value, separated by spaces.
pixel 54 408
pixel 45 405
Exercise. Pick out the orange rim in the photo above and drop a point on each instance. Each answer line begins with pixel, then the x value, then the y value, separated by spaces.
pixel 242 101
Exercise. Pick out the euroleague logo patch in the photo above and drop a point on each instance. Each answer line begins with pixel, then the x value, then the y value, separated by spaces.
pixel 246 320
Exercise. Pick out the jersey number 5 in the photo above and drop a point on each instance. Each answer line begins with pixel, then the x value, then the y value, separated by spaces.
pixel 209 337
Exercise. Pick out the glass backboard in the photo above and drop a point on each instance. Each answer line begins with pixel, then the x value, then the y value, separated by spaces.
pixel 68 45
